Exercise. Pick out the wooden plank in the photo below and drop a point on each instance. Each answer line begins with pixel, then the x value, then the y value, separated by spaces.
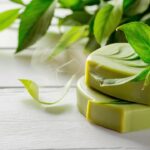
pixel 24 124
pixel 8 38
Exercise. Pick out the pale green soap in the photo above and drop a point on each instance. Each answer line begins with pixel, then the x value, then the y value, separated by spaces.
pixel 111 113
pixel 117 61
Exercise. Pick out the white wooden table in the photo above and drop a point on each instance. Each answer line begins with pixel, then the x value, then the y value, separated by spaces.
pixel 25 124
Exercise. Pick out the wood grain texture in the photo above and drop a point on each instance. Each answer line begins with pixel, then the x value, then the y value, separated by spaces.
pixel 24 124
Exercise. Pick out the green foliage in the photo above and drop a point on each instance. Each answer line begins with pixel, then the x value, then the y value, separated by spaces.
pixel 70 37
pixel 146 19
pixel 135 7
pixel 91 45
pixel 32 87
pixel 76 18
pixel 7 18
pixel 138 35
pixel 33 90
pixel 106 22
pixel 34 24
pixel 127 4
pixel 77 4
pixel 102 22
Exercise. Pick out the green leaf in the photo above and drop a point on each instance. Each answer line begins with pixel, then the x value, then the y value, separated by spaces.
pixel 35 21
pixel 18 2
pixel 117 37
pixel 72 4
pixel 7 18
pixel 70 37
pixel 146 19
pixel 91 2
pixel 115 82
pixel 137 7
pixel 91 45
pixel 76 18
pixel 33 90
pixel 106 22
pixel 77 4
pixel 127 4
pixel 31 87
pixel 138 35
pixel 131 19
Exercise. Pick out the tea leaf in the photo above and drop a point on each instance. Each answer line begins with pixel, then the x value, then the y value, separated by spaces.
pixel 7 18
pixel 91 45
pixel 106 22
pixel 33 90
pixel 137 7
pixel 76 18
pixel 77 4
pixel 35 21
pixel 70 37
pixel 138 36
pixel 31 87
pixel 127 4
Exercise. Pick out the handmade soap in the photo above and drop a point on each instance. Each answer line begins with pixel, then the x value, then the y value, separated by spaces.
pixel 110 112
pixel 117 61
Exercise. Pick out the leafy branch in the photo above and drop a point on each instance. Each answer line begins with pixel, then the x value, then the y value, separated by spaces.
pixel 36 18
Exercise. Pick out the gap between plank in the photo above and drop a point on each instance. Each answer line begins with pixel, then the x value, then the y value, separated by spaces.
pixel 13 48
pixel 20 87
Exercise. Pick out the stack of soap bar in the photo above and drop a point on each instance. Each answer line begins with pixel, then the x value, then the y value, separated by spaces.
pixel 119 106
pixel 109 112
pixel 117 61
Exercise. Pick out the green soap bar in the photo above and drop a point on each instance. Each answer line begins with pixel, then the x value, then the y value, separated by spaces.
pixel 117 61
pixel 110 112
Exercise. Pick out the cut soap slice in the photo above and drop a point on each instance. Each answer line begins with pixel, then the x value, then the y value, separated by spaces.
pixel 117 61
pixel 111 113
